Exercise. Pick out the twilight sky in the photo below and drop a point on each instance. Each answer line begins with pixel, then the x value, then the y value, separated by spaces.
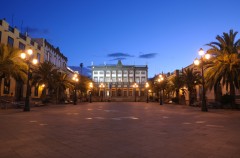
pixel 165 34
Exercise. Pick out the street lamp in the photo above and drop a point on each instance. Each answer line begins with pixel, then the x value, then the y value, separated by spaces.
pixel 135 86
pixel 198 62
pixel 160 79
pixel 90 92
pixel 75 79
pixel 101 86
pixel 147 85
pixel 28 58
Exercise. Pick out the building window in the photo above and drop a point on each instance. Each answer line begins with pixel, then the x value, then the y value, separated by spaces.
pixel 125 79
pixel 119 79
pixel 107 72
pixel 50 58
pixel 95 72
pixel 113 93
pixel 137 72
pixel 21 46
pixel 38 57
pixel 0 37
pixel 101 79
pixel 125 72
pixel 113 72
pixel 131 72
pixel 130 93
pixel 36 90
pixel 130 79
pixel 101 72
pixel 125 93
pixel 59 62
pixel 119 92
pixel 137 79
pixel 10 41
pixel 107 79
pixel 119 72
pixel 143 79
pixel 143 72
pixel 114 79
pixel 6 87
pixel 95 79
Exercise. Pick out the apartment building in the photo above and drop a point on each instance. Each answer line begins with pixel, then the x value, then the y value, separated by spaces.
pixel 42 51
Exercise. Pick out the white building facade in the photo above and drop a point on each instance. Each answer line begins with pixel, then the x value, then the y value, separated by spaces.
pixel 117 81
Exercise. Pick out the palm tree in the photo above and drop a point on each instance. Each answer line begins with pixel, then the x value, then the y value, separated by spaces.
pixel 44 75
pixel 190 79
pixel 178 84
pixel 225 64
pixel 61 83
pixel 81 66
pixel 11 64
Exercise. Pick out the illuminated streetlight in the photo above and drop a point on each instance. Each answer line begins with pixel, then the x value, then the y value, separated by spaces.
pixel 28 57
pixel 147 85
pixel 75 79
pixel 135 85
pixel 198 62
pixel 160 79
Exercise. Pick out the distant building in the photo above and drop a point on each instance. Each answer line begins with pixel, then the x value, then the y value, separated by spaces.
pixel 117 81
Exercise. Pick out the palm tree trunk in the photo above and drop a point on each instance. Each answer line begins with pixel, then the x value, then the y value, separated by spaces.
pixel 232 93
pixel 177 95
pixel 0 86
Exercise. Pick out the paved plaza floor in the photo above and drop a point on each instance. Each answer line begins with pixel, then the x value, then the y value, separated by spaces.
pixel 119 130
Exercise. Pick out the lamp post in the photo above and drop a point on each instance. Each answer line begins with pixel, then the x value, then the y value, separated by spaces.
pixel 135 86
pixel 147 85
pixel 27 57
pixel 75 79
pixel 90 92
pixel 101 86
pixel 160 79
pixel 198 62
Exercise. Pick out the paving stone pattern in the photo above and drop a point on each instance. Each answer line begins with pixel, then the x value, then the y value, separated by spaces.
pixel 119 130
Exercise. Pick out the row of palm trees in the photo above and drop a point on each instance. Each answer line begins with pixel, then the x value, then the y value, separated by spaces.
pixel 222 70
pixel 56 81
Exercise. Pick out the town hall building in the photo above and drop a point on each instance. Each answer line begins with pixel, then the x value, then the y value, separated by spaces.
pixel 120 82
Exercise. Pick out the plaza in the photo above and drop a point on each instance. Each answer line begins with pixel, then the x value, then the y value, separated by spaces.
pixel 119 130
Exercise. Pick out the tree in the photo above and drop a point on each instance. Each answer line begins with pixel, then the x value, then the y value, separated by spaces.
pixel 190 79
pixel 61 83
pixel 81 66
pixel 178 83
pixel 225 64
pixel 11 64
pixel 44 74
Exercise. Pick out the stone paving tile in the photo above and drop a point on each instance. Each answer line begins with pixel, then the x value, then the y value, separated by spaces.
pixel 119 130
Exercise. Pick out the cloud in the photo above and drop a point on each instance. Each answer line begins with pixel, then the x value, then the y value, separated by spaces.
pixel 148 56
pixel 119 55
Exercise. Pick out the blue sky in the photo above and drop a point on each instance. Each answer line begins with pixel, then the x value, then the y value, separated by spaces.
pixel 166 35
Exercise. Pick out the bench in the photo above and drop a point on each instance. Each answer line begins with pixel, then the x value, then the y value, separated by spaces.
pixel 7 103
